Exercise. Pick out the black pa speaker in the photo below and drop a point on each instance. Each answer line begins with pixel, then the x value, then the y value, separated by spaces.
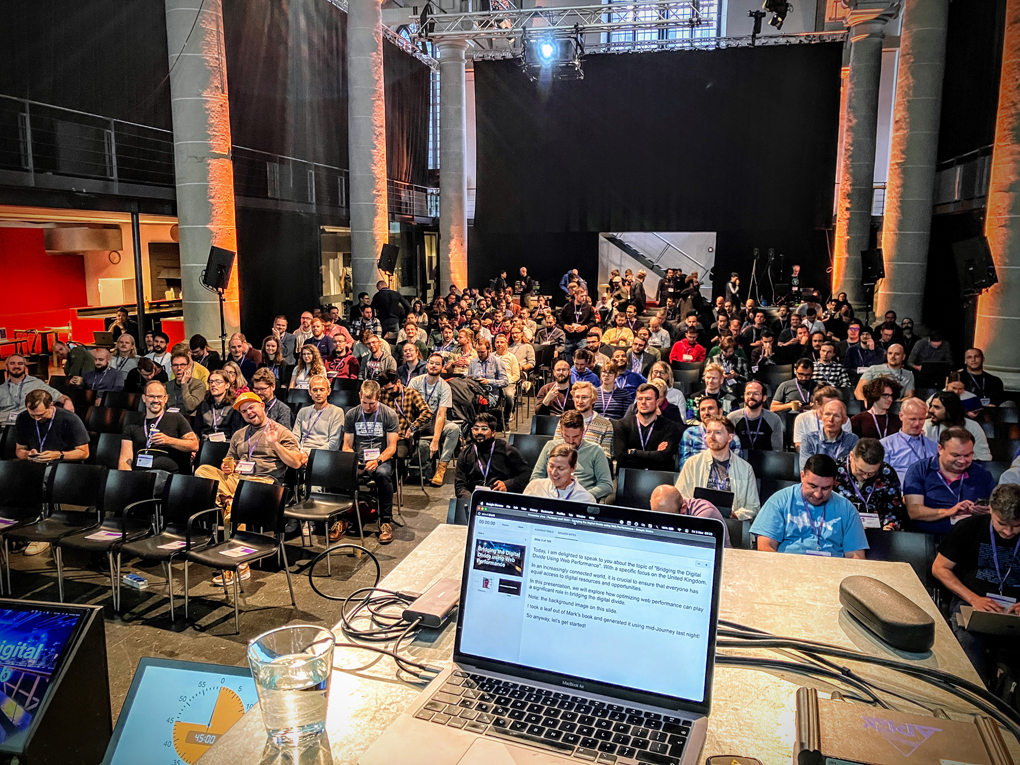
pixel 872 267
pixel 217 270
pixel 388 258
pixel 974 265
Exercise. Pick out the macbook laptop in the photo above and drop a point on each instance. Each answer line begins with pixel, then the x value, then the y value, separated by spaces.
pixel 103 339
pixel 989 623
pixel 585 633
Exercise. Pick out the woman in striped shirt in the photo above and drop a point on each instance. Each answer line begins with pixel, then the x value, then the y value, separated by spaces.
pixel 612 402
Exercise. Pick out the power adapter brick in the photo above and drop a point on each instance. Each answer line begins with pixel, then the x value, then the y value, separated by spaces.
pixel 434 606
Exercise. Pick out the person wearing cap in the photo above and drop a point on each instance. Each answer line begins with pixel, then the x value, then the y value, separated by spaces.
pixel 261 451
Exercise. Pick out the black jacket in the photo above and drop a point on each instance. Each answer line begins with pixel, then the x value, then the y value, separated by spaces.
pixel 646 457
pixel 585 315
pixel 507 465
pixel 390 307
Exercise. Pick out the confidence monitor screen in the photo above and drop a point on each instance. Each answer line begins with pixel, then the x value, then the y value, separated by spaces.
pixel 609 599
pixel 33 645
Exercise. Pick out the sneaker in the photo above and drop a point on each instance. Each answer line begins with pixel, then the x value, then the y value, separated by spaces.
pixel 337 530
pixel 36 548
pixel 385 533
pixel 226 578
pixel 437 479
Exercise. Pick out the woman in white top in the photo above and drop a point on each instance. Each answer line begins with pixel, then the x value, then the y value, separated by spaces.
pixel 125 354
pixel 561 483
pixel 309 364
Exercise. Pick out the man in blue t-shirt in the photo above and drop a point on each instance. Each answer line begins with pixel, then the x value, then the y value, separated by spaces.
pixel 809 519
pixel 943 490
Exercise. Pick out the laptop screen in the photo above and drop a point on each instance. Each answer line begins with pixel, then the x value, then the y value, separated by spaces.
pixel 617 602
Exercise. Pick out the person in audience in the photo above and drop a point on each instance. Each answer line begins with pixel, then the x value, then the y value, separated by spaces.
pixel 309 364
pixel 264 386
pixel 718 467
pixel 236 379
pixel 440 436
pixel 501 351
pixel 559 481
pixel 577 317
pixel 377 361
pixel 147 371
pixel 261 450
pixel 162 441
pixel 893 367
pixel 946 411
pixel 611 402
pixel 375 443
pixel 828 371
pixel 626 377
pixel 490 462
pixel 909 445
pixel 795 395
pixel 412 334
pixel 662 371
pixel 367 321
pixel 197 370
pixel 555 397
pixel 287 341
pixel 201 354
pixel 639 360
pixel 18 385
pixel 460 363
pixel 323 343
pixel 522 351
pixel 596 429
pixel 413 414
pixel 962 566
pixel 872 486
pixel 304 331
pixel 412 365
pixel 666 499
pixel 551 334
pixel 714 379
pixel 321 424
pixel 581 371
pixel 832 440
pixel 811 420
pixel 185 392
pixel 971 403
pixel 688 350
pixel 46 432
pixel 125 354
pixel 1012 475
pixel 951 485
pixel 356 308
pixel 76 361
pixel 147 343
pixel 860 357
pixel 987 387
pixel 878 421
pixel 645 440
pixel 160 353
pixel 809 519
pixel 599 358
pixel 658 337
pixel 735 368
pixel 343 365
pixel 216 419
pixel 757 427
pixel 123 325
pixel 930 349
pixel 487 369
pixel 241 352
pixel 910 339
pixel 693 439
pixel 619 335
pixel 273 359
pixel 667 409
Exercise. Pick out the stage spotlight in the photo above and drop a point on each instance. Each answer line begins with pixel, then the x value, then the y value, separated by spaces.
pixel 779 10
pixel 548 57
pixel 546 52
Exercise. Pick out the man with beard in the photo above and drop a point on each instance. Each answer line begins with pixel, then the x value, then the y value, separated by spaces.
pixel 757 427
pixel 555 397
pixel 18 385
pixel 490 462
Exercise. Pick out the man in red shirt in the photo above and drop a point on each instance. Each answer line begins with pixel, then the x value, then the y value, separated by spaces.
pixel 688 348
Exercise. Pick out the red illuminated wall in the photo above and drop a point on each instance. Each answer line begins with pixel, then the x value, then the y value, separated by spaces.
pixel 37 289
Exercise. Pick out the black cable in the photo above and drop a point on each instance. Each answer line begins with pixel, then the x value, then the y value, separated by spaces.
pixel 758 662
pixel 333 549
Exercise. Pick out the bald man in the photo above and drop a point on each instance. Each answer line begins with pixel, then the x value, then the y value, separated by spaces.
pixel 893 367
pixel 909 444
pixel 831 439
pixel 666 499
pixel 104 377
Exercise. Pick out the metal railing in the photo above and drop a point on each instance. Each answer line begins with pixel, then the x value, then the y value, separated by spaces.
pixel 408 199
pixel 670 246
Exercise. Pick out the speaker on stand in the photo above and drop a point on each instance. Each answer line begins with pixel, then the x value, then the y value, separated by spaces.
pixel 388 259
pixel 976 270
pixel 215 278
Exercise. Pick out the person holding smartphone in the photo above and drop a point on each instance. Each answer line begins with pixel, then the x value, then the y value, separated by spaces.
pixel 47 433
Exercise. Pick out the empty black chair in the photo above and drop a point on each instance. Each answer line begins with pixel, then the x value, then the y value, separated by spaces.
pixel 298 398
pixel 996 469
pixel 348 384
pixel 544 424
pixel 69 484
pixel 128 514
pixel 331 489
pixel 184 498
pixel 21 500
pixel 104 450
pixel 910 547
pixel 688 378
pixel 255 506
pixel 104 419
pixel 345 398
pixel 530 446
pixel 119 399
pixel 769 486
pixel 132 417
pixel 774 465
pixel 1002 413
pixel 8 443
pixel 634 487
pixel 1003 449
pixel 853 406
pixel 457 514
pixel 680 366
pixel 212 453
pixel 740 533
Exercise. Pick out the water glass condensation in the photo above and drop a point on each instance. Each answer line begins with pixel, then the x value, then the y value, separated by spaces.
pixel 292 667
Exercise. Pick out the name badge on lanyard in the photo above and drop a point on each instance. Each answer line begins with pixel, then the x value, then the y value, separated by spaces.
pixel 144 461
pixel 246 467
pixel 218 436
pixel 871 520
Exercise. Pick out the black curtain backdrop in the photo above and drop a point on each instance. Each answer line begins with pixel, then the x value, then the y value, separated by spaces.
pixel 734 251
pixel 547 257
pixel 407 116
pixel 107 57
pixel 739 138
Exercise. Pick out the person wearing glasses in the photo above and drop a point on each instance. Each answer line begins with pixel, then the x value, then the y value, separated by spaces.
pixel 490 462
pixel 878 421
pixel 162 441
pixel 47 432
pixel 185 391
pixel 216 419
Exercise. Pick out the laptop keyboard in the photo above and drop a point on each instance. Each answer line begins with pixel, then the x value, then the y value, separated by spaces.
pixel 571 726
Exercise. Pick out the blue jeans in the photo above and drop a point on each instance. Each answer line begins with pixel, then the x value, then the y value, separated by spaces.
pixel 572 345
pixel 447 442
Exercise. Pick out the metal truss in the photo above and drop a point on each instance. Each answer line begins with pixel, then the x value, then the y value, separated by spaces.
pixel 684 43
pixel 503 24
pixel 410 48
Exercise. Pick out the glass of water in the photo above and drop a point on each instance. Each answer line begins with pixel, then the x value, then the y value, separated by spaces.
pixel 292 667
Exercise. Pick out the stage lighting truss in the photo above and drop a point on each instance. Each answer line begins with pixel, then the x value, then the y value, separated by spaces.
pixel 545 56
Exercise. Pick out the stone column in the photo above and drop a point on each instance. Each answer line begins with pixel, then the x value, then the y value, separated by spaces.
pixel 866 23
pixel 998 313
pixel 452 173
pixel 202 164
pixel 915 136
pixel 366 112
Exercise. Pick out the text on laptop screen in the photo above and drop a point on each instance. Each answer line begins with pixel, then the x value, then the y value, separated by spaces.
pixel 32 645
pixel 597 600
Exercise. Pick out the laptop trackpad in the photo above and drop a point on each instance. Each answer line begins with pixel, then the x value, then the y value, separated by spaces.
pixel 486 751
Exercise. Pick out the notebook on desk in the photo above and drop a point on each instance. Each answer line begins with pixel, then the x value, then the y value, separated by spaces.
pixel 585 633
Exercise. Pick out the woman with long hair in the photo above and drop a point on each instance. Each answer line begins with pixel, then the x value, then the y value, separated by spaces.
pixel 662 371
pixel 272 359
pixel 309 364
pixel 125 354
pixel 235 378
pixel 215 419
